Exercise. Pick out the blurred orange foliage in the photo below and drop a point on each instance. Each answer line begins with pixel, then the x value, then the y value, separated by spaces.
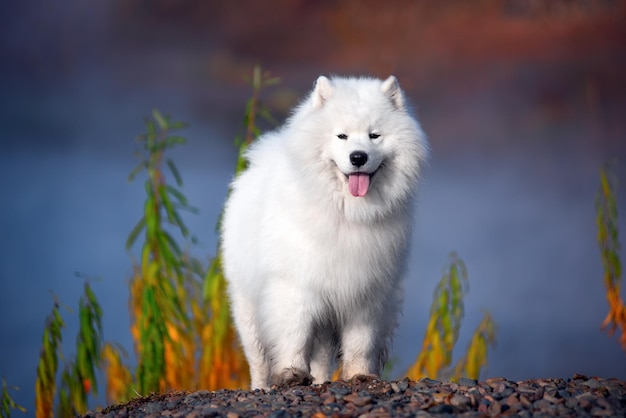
pixel 608 241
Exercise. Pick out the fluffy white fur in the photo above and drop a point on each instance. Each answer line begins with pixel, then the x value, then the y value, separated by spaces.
pixel 313 269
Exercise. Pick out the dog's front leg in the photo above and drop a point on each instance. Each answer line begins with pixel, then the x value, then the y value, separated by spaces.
pixel 364 345
pixel 287 323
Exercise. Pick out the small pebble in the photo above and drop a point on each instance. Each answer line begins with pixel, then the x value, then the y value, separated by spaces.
pixel 441 409
pixel 470 383
pixel 592 383
pixel 460 401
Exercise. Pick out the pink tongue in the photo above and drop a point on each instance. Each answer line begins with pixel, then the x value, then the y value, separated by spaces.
pixel 358 183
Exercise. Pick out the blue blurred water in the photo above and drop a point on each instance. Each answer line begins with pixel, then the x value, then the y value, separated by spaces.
pixel 521 217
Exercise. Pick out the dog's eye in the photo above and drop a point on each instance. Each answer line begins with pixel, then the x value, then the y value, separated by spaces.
pixel 374 136
pixel 342 136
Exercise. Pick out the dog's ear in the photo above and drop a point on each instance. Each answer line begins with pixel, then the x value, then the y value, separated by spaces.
pixel 322 91
pixel 391 89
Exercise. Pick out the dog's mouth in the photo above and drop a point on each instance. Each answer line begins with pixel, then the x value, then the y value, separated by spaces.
pixel 359 182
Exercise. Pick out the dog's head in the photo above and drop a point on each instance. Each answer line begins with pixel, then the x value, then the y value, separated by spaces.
pixel 362 137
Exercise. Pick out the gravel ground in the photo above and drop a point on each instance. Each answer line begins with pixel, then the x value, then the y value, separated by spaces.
pixel 580 396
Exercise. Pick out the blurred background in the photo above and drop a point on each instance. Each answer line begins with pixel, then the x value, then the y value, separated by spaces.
pixel 522 101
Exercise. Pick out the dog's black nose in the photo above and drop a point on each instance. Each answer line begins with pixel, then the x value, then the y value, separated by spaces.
pixel 358 158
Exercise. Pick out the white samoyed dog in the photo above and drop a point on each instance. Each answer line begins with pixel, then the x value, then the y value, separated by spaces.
pixel 315 233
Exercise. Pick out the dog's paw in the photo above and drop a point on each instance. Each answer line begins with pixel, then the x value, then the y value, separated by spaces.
pixel 364 378
pixel 291 377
